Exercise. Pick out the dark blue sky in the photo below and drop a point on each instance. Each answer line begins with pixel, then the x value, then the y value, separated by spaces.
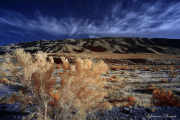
pixel 29 20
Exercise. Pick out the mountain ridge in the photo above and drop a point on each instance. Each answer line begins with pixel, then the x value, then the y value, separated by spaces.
pixel 107 44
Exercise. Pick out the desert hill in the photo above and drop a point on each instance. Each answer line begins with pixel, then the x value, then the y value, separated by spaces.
pixel 110 45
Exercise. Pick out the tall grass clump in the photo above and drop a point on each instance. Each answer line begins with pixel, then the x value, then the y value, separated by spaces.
pixel 81 88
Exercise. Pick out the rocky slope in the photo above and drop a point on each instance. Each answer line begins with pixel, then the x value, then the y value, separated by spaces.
pixel 111 45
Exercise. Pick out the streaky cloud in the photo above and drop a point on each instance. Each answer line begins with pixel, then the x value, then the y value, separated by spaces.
pixel 155 19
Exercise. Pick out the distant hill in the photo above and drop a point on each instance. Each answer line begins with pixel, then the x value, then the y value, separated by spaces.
pixel 111 45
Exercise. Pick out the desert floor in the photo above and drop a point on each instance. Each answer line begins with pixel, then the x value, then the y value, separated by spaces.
pixel 130 75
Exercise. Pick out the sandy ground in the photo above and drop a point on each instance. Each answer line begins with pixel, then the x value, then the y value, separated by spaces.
pixel 137 83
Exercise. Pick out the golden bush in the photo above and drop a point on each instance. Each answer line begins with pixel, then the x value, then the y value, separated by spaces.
pixel 81 88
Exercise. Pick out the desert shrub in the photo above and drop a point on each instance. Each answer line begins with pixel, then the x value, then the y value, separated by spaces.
pixel 114 76
pixel 163 80
pixel 172 74
pixel 130 100
pixel 164 98
pixel 131 68
pixel 19 97
pixel 178 67
pixel 115 67
pixel 146 68
pixel 58 66
pixel 111 80
pixel 83 84
pixel 115 104
pixel 151 86
pixel 4 81
pixel 3 76
pixel 124 67
pixel 122 72
pixel 35 73
pixel 170 67
pixel 163 68
pixel 81 87
pixel 157 69
pixel 3 73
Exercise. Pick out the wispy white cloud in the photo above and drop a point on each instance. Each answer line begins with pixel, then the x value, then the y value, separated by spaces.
pixel 149 20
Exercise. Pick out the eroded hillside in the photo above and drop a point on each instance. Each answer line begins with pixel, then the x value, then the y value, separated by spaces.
pixel 110 45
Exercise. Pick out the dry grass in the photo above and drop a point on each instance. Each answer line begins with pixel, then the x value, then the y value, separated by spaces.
pixel 84 86
pixel 81 88
pixel 3 73
pixel 4 81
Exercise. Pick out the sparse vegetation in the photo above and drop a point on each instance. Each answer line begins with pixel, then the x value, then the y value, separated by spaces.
pixel 81 89
pixel 77 84
pixel 164 98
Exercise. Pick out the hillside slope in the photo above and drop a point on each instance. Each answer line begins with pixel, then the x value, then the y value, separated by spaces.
pixel 111 45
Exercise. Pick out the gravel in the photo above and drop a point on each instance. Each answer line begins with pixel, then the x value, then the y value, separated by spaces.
pixel 139 113
pixel 11 112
